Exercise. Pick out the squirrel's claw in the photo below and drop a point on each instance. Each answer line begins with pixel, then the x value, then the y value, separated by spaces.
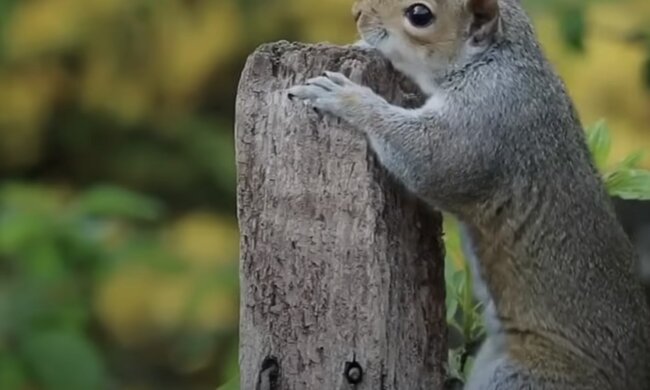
pixel 305 92
pixel 338 78
pixel 332 93
pixel 324 82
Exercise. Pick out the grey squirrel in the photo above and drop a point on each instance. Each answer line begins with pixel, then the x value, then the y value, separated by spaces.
pixel 499 145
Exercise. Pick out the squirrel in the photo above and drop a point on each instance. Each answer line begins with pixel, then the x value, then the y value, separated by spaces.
pixel 499 145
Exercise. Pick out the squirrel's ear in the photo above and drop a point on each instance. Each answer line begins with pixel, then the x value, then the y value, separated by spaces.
pixel 485 20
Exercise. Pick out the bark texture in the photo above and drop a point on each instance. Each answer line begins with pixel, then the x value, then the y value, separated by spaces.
pixel 342 283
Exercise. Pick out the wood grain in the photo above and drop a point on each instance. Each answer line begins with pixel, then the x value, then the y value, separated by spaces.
pixel 341 269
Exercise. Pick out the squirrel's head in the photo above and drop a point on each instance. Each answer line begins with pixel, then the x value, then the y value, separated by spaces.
pixel 426 35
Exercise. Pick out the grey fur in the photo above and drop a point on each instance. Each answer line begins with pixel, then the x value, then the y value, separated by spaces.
pixel 499 145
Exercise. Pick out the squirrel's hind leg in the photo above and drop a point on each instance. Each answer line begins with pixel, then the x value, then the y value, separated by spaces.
pixel 495 370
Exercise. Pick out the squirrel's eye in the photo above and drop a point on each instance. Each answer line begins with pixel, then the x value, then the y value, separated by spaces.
pixel 419 15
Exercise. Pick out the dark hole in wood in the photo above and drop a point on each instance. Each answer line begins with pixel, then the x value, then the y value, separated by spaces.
pixel 269 373
pixel 353 372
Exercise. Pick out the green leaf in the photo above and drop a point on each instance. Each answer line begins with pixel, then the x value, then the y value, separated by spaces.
pixel 64 360
pixel 458 282
pixel 573 27
pixel 469 364
pixel 452 306
pixel 117 202
pixel 600 143
pixel 450 267
pixel 630 184
pixel 633 160
pixel 478 330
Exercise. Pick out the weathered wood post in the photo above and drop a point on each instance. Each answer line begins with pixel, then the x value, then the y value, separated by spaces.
pixel 342 283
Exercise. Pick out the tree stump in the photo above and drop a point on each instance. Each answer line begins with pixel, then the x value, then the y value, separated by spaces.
pixel 342 282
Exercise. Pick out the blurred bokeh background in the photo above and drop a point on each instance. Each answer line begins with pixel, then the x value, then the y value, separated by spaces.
pixel 118 237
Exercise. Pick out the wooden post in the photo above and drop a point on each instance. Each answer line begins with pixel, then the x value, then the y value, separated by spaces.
pixel 342 283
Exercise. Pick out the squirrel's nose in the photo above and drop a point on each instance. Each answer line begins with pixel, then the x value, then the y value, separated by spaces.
pixel 357 15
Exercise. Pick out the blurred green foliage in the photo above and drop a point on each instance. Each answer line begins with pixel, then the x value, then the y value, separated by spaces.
pixel 118 242
pixel 64 300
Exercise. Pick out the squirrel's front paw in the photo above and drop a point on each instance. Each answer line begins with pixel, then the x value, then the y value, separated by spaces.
pixel 332 93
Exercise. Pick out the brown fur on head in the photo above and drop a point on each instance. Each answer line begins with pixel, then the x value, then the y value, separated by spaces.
pixel 443 33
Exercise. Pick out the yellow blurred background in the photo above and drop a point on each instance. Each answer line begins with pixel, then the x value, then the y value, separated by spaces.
pixel 118 237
